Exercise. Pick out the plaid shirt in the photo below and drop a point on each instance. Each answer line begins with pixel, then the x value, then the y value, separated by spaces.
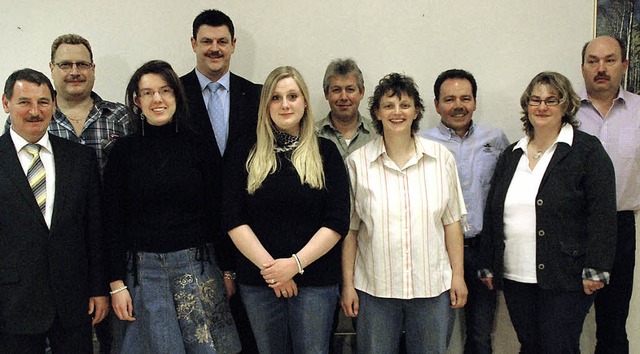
pixel 106 122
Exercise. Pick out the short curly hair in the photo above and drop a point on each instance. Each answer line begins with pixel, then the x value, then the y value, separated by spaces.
pixel 395 84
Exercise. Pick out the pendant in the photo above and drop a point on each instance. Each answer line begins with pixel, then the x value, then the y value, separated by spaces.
pixel 538 154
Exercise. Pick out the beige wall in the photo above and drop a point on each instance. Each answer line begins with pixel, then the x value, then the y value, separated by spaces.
pixel 504 43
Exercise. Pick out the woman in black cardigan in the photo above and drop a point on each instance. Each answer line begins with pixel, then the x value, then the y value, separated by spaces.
pixel 549 234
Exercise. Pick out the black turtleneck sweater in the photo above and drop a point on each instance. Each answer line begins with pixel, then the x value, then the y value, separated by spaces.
pixel 159 196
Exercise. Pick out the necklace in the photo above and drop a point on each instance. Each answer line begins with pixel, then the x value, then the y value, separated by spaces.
pixel 538 154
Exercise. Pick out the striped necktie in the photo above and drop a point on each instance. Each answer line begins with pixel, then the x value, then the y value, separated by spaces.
pixel 216 116
pixel 37 176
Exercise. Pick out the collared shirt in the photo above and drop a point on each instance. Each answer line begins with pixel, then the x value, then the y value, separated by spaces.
pixel 520 211
pixel 520 215
pixel 364 133
pixel 223 92
pixel 400 213
pixel 106 122
pixel 46 156
pixel 618 131
pixel 476 155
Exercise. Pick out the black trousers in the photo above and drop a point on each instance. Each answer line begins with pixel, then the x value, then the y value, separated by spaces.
pixel 612 302
pixel 62 339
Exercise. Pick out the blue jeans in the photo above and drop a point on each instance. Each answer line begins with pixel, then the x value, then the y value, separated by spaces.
pixel 299 324
pixel 427 323
pixel 480 308
pixel 546 321
pixel 180 307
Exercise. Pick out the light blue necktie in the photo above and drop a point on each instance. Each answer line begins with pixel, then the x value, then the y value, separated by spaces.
pixel 216 116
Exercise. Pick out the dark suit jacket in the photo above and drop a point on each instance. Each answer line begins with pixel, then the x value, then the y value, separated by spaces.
pixel 243 110
pixel 575 214
pixel 243 117
pixel 47 271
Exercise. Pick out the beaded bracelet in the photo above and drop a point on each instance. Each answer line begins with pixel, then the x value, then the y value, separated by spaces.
pixel 300 270
pixel 117 290
pixel 229 275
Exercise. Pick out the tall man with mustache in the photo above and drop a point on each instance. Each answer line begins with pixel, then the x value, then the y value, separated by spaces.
pixel 613 115
pixel 224 110
pixel 476 149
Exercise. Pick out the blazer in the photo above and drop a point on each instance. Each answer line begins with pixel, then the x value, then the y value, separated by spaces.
pixel 44 272
pixel 243 118
pixel 575 214
pixel 243 110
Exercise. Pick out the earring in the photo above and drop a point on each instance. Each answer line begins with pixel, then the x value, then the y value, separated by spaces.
pixel 142 123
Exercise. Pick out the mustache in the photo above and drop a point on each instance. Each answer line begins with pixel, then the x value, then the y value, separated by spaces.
pixel 460 110
pixel 33 119
pixel 216 54
pixel 601 76
pixel 75 77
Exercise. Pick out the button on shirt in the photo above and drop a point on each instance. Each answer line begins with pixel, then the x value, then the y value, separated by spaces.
pixel 520 211
pixel 476 155
pixel 618 131
pixel 46 156
pixel 400 214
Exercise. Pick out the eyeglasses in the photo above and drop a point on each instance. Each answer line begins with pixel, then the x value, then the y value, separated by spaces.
pixel 147 94
pixel 551 101
pixel 68 65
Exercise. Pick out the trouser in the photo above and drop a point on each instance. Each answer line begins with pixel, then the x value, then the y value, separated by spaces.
pixel 612 301
pixel 62 339
pixel 546 321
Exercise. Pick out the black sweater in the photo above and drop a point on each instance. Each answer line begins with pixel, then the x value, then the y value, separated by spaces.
pixel 284 214
pixel 158 196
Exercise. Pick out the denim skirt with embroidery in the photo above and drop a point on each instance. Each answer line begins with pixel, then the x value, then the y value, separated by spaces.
pixel 180 306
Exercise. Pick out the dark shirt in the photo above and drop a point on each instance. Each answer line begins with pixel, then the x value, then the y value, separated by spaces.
pixel 285 214
pixel 158 195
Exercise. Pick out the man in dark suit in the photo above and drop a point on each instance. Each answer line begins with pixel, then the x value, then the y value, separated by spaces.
pixel 224 109
pixel 52 275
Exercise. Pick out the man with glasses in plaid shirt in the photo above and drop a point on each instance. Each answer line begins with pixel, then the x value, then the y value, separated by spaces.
pixel 81 115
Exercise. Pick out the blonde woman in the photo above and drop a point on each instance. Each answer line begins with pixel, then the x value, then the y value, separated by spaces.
pixel 286 207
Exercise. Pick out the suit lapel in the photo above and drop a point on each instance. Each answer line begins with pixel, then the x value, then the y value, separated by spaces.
pixel 235 107
pixel 10 167
pixel 63 167
pixel 198 110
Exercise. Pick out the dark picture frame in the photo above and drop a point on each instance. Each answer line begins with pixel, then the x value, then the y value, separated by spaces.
pixel 621 18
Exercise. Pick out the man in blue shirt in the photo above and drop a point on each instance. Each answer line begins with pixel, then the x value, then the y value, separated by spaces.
pixel 476 149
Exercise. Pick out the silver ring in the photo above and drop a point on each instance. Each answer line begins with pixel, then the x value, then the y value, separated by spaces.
pixel 273 281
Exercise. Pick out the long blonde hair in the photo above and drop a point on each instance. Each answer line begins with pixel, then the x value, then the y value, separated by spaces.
pixel 306 157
